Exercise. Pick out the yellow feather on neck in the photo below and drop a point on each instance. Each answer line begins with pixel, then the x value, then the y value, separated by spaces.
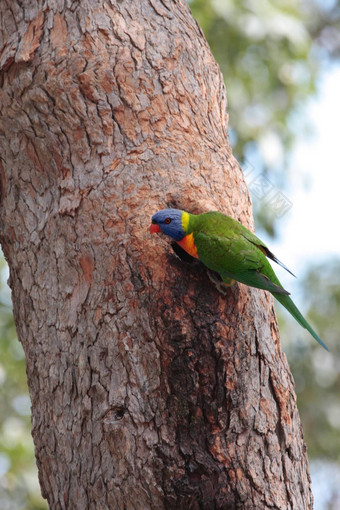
pixel 185 221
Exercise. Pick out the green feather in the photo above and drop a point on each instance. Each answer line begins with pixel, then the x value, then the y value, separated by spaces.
pixel 290 306
pixel 230 249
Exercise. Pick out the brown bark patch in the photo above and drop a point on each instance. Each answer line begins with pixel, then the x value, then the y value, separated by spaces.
pixel 87 266
pixel 33 156
pixel 31 39
pixel 2 182
pixel 58 35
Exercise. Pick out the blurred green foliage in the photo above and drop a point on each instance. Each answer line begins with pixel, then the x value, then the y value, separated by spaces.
pixel 317 376
pixel 263 49
pixel 316 372
pixel 19 488
pixel 271 54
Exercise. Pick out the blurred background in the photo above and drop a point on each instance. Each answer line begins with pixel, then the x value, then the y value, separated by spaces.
pixel 280 62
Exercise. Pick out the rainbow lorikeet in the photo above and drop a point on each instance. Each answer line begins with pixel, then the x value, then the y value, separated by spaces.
pixel 225 246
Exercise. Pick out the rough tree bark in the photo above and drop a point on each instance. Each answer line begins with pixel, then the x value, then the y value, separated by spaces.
pixel 149 389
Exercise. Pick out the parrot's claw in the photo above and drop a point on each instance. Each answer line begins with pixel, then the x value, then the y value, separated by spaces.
pixel 219 284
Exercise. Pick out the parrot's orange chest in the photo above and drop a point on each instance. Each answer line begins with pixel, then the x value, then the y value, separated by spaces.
pixel 188 244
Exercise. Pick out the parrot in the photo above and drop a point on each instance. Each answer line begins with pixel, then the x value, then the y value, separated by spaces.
pixel 228 248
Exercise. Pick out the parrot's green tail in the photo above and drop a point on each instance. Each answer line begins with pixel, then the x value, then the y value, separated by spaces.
pixel 289 305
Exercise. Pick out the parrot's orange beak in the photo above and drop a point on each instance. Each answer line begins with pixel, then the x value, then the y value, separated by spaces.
pixel 154 228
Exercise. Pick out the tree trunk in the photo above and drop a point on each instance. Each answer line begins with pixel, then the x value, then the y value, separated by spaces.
pixel 149 389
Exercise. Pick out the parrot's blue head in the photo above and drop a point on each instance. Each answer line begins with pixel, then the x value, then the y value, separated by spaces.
pixel 169 222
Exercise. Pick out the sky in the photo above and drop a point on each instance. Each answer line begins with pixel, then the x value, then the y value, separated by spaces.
pixel 315 210
pixel 309 231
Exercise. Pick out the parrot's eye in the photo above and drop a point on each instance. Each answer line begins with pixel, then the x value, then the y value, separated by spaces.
pixel 167 221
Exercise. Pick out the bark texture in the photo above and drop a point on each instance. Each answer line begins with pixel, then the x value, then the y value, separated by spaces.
pixel 149 389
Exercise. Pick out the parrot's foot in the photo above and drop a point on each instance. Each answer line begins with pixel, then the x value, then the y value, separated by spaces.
pixel 220 285
pixel 228 282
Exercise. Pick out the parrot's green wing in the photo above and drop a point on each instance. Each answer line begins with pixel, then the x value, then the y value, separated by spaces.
pixel 230 249
pixel 234 256
pixel 225 227
pixel 257 242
